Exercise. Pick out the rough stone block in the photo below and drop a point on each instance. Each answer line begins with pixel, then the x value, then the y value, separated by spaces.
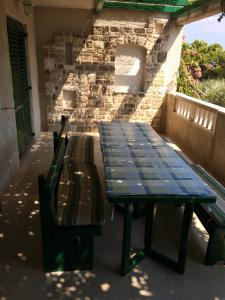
pixel 92 78
pixel 98 44
pixel 69 95
pixel 86 91
pixel 98 30
pixel 140 31
pixel 141 41
pixel 114 29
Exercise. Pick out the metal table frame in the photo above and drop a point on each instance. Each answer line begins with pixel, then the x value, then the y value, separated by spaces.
pixel 129 263
pixel 189 201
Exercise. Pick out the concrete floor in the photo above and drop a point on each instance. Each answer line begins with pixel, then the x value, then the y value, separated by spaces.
pixel 21 275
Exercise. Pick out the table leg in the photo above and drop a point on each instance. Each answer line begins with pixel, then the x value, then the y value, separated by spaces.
pixel 127 226
pixel 179 264
pixel 187 218
pixel 149 226
pixel 128 263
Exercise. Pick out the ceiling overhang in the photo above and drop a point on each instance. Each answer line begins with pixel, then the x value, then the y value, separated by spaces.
pixel 76 4
pixel 183 11
pixel 176 8
pixel 206 10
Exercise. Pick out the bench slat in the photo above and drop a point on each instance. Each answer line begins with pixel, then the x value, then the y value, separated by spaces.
pixel 65 125
pixel 79 196
pixel 56 165
pixel 71 205
pixel 80 149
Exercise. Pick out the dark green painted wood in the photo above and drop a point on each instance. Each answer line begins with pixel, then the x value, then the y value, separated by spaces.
pixel 137 258
pixel 212 218
pixel 175 7
pixel 177 200
pixel 189 8
pixel 129 263
pixel 62 132
pixel 55 140
pixel 56 166
pixel 129 195
pixel 17 51
pixel 127 229
pixel 167 2
pixel 168 9
pixel 65 248
pixel 80 148
pixel 149 226
pixel 179 264
pixel 217 214
pixel 163 259
pixel 68 253
pixel 216 246
pixel 186 223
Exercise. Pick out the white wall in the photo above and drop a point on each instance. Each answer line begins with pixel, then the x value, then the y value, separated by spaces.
pixel 9 157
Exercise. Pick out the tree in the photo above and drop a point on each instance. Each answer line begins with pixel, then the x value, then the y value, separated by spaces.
pixel 200 61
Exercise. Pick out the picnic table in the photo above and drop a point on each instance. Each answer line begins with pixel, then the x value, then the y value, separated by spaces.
pixel 140 167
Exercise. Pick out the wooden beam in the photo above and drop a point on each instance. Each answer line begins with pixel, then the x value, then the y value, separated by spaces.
pixel 161 2
pixel 203 11
pixel 138 5
pixel 99 6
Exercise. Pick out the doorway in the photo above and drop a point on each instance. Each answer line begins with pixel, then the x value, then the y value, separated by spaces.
pixel 18 59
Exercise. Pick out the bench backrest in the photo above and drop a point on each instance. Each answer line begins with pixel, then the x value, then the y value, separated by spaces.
pixel 215 210
pixel 62 132
pixel 48 187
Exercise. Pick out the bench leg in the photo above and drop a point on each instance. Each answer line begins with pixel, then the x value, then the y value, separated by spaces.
pixel 216 246
pixel 68 254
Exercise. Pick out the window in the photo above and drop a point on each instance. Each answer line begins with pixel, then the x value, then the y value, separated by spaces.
pixel 129 69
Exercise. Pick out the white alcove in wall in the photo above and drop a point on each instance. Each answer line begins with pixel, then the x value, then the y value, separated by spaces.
pixel 129 68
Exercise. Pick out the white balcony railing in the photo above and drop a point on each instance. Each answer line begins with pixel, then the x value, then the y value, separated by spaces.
pixel 199 128
pixel 200 112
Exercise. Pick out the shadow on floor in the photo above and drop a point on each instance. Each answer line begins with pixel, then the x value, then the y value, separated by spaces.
pixel 21 275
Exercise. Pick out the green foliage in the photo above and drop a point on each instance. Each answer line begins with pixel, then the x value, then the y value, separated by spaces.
pixel 186 83
pixel 210 60
pixel 213 91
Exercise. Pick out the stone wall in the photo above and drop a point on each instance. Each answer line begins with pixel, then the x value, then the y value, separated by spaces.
pixel 84 88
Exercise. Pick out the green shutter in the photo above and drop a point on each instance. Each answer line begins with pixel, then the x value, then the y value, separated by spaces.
pixel 17 52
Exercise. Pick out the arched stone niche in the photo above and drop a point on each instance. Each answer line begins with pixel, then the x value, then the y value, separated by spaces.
pixel 129 68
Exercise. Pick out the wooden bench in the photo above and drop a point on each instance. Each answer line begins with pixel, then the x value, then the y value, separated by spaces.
pixel 80 148
pixel 212 216
pixel 62 132
pixel 71 210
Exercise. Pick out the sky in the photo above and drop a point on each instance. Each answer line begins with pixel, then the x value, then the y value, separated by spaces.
pixel 209 30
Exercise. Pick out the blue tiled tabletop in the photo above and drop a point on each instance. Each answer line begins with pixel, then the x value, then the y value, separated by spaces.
pixel 152 187
pixel 140 166
pixel 131 144
pixel 152 151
